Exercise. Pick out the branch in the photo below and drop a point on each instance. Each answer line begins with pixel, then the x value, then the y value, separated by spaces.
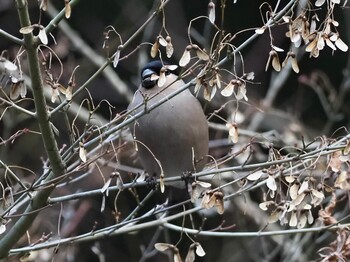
pixel 102 233
pixel 11 37
pixel 57 165
pixel 252 234
pixel 54 22
pixel 313 154
pixel 93 56
pixel 107 62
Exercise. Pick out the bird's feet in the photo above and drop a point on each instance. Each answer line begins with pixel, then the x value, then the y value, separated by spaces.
pixel 151 181
pixel 187 177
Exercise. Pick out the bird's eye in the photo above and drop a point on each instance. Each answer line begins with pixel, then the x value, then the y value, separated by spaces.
pixel 147 73
pixel 147 81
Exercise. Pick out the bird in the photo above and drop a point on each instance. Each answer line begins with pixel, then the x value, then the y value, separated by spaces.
pixel 174 135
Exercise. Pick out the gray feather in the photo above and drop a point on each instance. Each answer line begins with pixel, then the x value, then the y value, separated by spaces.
pixel 171 131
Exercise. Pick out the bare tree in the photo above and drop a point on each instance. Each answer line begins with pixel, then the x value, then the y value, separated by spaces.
pixel 275 94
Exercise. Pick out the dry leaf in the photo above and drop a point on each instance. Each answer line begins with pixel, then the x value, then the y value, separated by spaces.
pixel 249 76
pixel 2 228
pixel 198 188
pixel 211 11
pixel 343 181
pixel 215 199
pixel 198 85
pixel 346 149
pixel 161 182
pixel 169 49
pixel 260 31
pixel 186 57
pixel 162 78
pixel 54 129
pixel 233 132
pixel 302 220
pixel 289 179
pixel 42 36
pixel 319 2
pixel 304 186
pixel 271 183
pixel 9 66
pixel 106 186
pixel 68 9
pixel 265 205
pixel 171 67
pixel 295 66
pixel 190 257
pixel 335 162
pixel 200 53
pixel 18 88
pixel 82 152
pixel 199 250
pixel 326 215
pixel 277 49
pixel 293 191
pixel 276 62
pixel 228 90
pixel 209 92
pixel 68 93
pixel 274 216
pixel 116 58
pixel 162 41
pixel 162 247
pixel 341 45
pixel 297 201
pixel 54 94
pixel 43 5
pixel 293 220
pixel 255 176
pixel 242 91
pixel 154 49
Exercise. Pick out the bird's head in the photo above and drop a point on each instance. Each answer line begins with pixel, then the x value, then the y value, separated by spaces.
pixel 155 70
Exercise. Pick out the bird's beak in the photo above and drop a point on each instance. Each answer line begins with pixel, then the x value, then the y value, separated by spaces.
pixel 147 81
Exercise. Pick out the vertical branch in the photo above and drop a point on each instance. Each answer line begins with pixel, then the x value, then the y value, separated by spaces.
pixel 57 165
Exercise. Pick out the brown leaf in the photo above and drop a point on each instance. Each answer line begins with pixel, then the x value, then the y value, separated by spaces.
pixel 169 49
pixel 228 90
pixel 190 257
pixel 163 246
pixel 214 200
pixel 326 214
pixel 276 62
pixel 154 49
pixel 335 162
pixel 209 92
pixel 186 57
pixel 343 181
pixel 162 78
pixel 198 188
pixel 68 9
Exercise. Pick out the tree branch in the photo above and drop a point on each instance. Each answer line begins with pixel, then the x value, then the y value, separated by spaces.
pixel 11 37
pixel 57 165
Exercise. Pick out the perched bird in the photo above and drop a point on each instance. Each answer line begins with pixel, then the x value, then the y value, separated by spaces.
pixel 176 132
